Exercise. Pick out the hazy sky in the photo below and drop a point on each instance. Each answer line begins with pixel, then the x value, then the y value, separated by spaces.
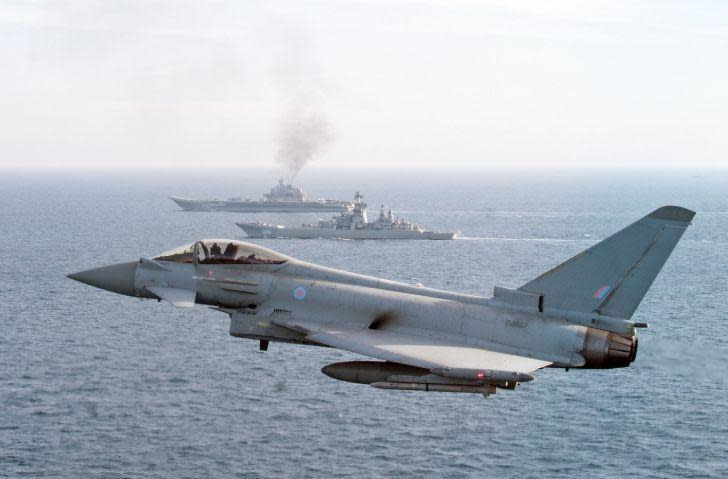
pixel 405 84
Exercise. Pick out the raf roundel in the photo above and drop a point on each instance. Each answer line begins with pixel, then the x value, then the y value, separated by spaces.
pixel 299 293
pixel 601 292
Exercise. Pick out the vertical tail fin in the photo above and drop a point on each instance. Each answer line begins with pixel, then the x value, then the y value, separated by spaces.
pixel 612 277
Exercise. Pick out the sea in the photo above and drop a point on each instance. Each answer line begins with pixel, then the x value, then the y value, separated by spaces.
pixel 94 384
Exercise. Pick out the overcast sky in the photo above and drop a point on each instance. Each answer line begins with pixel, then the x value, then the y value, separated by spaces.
pixel 405 84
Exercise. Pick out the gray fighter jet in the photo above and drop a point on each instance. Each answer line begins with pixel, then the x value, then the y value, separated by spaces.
pixel 577 315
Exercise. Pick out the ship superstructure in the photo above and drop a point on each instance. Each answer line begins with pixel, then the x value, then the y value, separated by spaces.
pixel 351 223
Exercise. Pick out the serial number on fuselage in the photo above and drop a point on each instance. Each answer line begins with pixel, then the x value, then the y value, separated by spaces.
pixel 514 323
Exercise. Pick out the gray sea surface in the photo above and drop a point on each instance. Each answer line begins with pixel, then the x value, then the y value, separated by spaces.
pixel 94 384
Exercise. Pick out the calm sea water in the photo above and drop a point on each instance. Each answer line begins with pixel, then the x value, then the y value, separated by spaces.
pixel 93 384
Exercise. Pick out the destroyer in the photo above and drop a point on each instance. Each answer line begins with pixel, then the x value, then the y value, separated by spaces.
pixel 282 198
pixel 350 224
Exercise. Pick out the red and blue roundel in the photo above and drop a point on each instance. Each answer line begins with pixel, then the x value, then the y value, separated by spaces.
pixel 299 293
pixel 601 292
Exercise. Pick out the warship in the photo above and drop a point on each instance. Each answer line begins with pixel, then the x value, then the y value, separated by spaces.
pixel 282 198
pixel 351 223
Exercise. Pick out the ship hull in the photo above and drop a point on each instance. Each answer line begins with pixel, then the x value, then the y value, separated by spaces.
pixel 266 231
pixel 259 206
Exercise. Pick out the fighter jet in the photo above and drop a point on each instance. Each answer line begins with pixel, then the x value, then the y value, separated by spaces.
pixel 577 315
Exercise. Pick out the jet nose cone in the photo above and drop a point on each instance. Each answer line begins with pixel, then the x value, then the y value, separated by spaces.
pixel 118 278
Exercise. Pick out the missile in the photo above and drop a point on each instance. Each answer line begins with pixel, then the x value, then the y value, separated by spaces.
pixel 387 375
pixel 483 375
pixel 485 390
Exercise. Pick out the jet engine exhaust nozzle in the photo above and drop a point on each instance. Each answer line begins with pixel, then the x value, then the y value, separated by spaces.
pixel 604 350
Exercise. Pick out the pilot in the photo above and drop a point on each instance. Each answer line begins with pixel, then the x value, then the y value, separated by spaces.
pixel 230 251
pixel 215 250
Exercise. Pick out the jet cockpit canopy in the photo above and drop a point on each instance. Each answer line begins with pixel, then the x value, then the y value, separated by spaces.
pixel 222 251
pixel 182 254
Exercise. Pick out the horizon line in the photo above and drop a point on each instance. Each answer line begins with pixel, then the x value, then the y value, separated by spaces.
pixel 33 168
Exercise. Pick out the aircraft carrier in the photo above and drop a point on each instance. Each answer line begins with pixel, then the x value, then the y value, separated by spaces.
pixel 351 223
pixel 282 198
